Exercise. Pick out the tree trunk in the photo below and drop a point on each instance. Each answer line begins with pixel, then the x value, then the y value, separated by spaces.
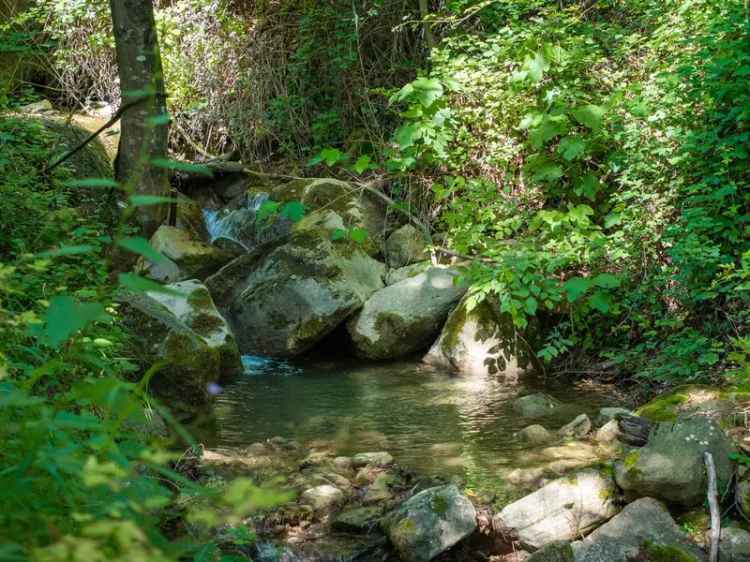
pixel 424 11
pixel 144 126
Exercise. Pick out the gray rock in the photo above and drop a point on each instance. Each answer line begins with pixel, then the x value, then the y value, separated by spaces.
pixel 405 317
pixel 577 428
pixel 323 497
pixel 558 551
pixel 536 405
pixel 430 523
pixel 379 459
pixel 644 528
pixel 534 434
pixel 670 467
pixel 562 510
pixel 405 246
pixel 477 339
pixel 607 433
pixel 296 294
pixel 734 545
pixel 358 520
pixel 742 495
pixel 397 275
pixel 608 414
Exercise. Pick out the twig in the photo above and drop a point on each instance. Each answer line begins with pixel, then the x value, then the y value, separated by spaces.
pixel 92 136
pixel 713 505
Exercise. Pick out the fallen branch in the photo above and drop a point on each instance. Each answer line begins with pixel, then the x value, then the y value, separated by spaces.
pixel 114 119
pixel 713 505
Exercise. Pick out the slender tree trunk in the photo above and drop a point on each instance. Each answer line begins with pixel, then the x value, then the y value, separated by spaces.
pixel 144 126
pixel 424 11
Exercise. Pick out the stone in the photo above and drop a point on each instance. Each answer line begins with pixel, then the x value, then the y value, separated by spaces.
pixel 429 523
pixel 397 275
pixel 185 257
pixel 644 530
pixel 608 414
pixel 378 459
pixel 562 510
pixel 190 218
pixel 534 435
pixel 478 340
pixel 607 433
pixel 343 465
pixel 323 497
pixel 380 490
pixel 558 551
pixel 577 428
pixel 41 106
pixel 182 328
pixel 734 545
pixel 670 467
pixel 742 495
pixel 405 246
pixel 405 317
pixel 536 405
pixel 298 293
pixel 358 520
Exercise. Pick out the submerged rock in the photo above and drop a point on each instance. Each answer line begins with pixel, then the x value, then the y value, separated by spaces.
pixel 297 294
pixel 405 317
pixel 536 405
pixel 562 510
pixel 430 523
pixel 644 530
pixel 670 467
pixel 477 339
pixel 534 434
pixel 183 329
pixel 405 246
pixel 379 459
pixel 185 256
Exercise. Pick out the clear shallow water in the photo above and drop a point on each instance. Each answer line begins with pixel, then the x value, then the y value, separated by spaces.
pixel 432 422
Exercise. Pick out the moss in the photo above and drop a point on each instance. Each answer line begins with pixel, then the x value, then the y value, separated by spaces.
pixel 439 505
pixel 631 459
pixel 663 408
pixel 200 299
pixel 651 552
pixel 205 324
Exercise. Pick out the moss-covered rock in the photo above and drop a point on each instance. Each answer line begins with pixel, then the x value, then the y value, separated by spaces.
pixel 186 257
pixel 671 467
pixel 405 246
pixel 405 317
pixel 696 399
pixel 397 275
pixel 182 331
pixel 477 339
pixel 298 293
pixel 430 523
pixel 558 551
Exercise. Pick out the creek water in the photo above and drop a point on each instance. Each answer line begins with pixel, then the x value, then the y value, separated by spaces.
pixel 432 422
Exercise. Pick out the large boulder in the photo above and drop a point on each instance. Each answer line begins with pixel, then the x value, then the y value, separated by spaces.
pixel 670 467
pixel 734 545
pixel 405 317
pixel 430 523
pixel 185 257
pixel 562 510
pixel 297 293
pixel 477 339
pixel 558 551
pixel 397 275
pixel 182 328
pixel 405 246
pixel 644 530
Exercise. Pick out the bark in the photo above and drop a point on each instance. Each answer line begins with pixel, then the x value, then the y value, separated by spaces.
pixel 144 127
pixel 424 12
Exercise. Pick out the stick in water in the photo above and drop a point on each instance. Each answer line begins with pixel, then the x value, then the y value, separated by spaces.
pixel 713 505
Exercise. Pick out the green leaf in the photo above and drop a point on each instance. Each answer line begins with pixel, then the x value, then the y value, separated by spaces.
pixel 607 281
pixel 358 235
pixel 67 251
pixel 141 246
pixel 170 164
pixel 293 210
pixel 92 182
pixel 571 148
pixel 530 306
pixel 145 200
pixel 544 170
pixel 590 116
pixel 267 210
pixel 535 67
pixel 338 234
pixel 577 286
pixel 331 156
pixel 65 316
pixel 406 135
pixel 362 164
pixel 139 284
pixel 587 185
pixel 427 90
pixel 601 301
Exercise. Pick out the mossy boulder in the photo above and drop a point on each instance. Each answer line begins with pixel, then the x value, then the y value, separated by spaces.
pixel 430 523
pixel 695 399
pixel 300 292
pixel 558 551
pixel 186 257
pixel 190 218
pixel 397 275
pixel 406 317
pixel 183 330
pixel 477 339
pixel 644 530
pixel 670 467
pixel 562 510
pixel 734 545
pixel 405 246
pixel 536 405
pixel 742 495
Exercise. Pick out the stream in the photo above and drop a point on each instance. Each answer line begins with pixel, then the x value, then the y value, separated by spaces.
pixel 431 422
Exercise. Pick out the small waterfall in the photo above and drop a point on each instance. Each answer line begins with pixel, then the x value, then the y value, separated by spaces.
pixel 238 224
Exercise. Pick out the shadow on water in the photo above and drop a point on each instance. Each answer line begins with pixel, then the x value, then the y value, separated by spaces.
pixel 432 422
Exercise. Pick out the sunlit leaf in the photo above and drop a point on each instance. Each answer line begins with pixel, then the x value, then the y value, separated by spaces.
pixel 65 316
pixel 141 246
pixel 139 284
pixel 293 210
pixel 590 116
pixel 577 286
pixel 145 200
